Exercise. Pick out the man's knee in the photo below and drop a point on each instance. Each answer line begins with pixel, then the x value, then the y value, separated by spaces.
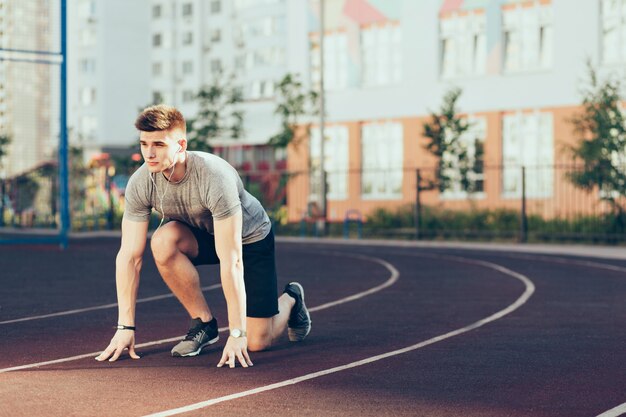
pixel 164 245
pixel 259 334
pixel 259 343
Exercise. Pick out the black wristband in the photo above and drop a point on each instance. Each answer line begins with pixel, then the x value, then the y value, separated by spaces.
pixel 123 327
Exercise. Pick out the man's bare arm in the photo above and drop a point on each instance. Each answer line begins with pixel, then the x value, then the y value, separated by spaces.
pixel 229 250
pixel 127 271
pixel 128 267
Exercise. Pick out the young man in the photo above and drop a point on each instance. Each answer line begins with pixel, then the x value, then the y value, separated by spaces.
pixel 212 220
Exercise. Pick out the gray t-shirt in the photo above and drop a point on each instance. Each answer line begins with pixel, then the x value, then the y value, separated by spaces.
pixel 211 189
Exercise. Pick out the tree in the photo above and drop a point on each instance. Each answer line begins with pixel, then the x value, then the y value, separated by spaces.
pixel 293 105
pixel 601 146
pixel 455 163
pixel 5 140
pixel 219 116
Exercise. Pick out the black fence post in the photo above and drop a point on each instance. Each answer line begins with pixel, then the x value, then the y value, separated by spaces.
pixel 110 209
pixel 523 238
pixel 418 206
pixel 1 202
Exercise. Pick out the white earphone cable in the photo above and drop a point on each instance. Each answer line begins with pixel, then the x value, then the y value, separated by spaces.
pixel 161 197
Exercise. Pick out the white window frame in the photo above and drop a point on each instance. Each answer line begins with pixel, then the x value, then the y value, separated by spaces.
pixel 527 34
pixel 187 67
pixel 216 6
pixel 528 141
pixel 188 96
pixel 613 31
pixel 336 64
pixel 157 11
pixel 381 55
pixel 187 38
pixel 157 40
pixel 216 65
pixel 187 9
pixel 336 159
pixel 87 96
pixel 382 146
pixel 463 44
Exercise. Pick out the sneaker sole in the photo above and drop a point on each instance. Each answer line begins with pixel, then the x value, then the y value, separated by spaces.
pixel 298 335
pixel 195 352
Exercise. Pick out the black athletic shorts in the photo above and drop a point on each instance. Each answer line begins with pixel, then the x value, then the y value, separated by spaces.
pixel 259 271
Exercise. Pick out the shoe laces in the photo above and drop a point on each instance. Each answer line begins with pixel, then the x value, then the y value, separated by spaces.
pixel 195 333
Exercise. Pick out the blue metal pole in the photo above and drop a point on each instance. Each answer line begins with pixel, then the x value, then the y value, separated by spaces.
pixel 63 146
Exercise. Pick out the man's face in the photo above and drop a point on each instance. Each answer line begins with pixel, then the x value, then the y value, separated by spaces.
pixel 159 149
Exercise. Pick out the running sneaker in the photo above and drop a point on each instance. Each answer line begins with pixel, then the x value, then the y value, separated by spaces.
pixel 299 324
pixel 199 336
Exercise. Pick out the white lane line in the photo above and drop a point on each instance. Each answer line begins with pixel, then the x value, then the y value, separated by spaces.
pixel 590 264
pixel 528 292
pixel 620 410
pixel 100 307
pixel 390 281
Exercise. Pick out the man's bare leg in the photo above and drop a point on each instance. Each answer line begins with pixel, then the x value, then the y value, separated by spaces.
pixel 172 246
pixel 262 332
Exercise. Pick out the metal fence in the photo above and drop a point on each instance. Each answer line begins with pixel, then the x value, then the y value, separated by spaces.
pixel 509 203
pixel 33 172
pixel 534 203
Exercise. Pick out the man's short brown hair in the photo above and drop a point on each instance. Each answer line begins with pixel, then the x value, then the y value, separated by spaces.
pixel 160 117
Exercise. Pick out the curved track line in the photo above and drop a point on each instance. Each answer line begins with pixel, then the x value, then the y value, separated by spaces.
pixel 530 289
pixel 390 281
pixel 100 307
pixel 559 260
pixel 620 410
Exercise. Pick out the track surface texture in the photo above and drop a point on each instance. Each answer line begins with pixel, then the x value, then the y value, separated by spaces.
pixel 429 332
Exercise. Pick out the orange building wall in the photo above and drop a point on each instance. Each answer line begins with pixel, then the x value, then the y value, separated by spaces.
pixel 565 197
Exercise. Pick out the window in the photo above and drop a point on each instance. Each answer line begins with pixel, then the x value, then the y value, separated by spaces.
pixel 88 66
pixel 216 65
pixel 187 38
pixel 157 11
pixel 240 62
pixel 268 26
pixel 335 162
pixel 187 9
pixel 381 52
pixel 267 89
pixel 216 35
pixel 89 125
pixel 216 6
pixel 255 90
pixel 613 31
pixel 336 64
pixel 157 40
pixel 268 56
pixel 87 96
pixel 463 44
pixel 527 37
pixel 187 67
pixel 87 9
pixel 527 141
pixel 188 96
pixel 88 37
pixel 381 147
pixel 471 141
pixel 157 97
pixel 157 69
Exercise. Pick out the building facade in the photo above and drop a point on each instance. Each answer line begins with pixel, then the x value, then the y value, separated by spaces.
pixel 28 85
pixel 388 64
pixel 108 70
pixel 242 42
